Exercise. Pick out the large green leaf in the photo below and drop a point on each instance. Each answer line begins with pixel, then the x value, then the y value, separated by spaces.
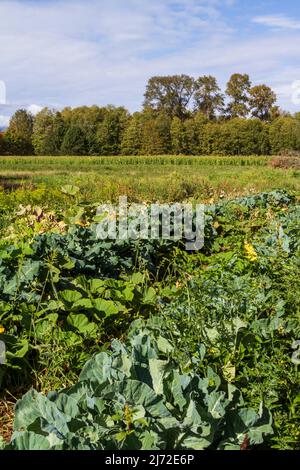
pixel 80 322
pixel 106 307
pixel 70 296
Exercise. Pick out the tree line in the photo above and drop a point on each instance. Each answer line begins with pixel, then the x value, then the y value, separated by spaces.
pixel 180 115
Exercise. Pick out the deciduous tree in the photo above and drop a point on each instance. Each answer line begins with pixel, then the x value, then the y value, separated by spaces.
pixel 178 136
pixel 170 94
pixel 208 97
pixel 19 133
pixel 111 130
pixel 74 142
pixel 48 132
pixel 237 90
pixel 262 100
pixel 285 135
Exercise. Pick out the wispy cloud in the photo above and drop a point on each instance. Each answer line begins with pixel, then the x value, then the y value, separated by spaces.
pixel 277 21
pixel 64 52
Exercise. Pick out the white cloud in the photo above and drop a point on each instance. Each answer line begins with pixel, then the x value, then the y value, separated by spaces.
pixel 77 52
pixel 4 121
pixel 34 109
pixel 277 21
pixel 64 52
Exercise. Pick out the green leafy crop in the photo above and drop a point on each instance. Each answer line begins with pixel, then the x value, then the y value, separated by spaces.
pixel 226 326
pixel 137 397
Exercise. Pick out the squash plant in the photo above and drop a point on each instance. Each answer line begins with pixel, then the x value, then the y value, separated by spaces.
pixel 136 396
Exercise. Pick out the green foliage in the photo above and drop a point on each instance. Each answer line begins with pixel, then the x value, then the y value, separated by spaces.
pixel 74 284
pixel 285 135
pixel 208 97
pixel 19 133
pixel 74 142
pixel 137 397
pixel 238 89
pixel 132 138
pixel 3 148
pixel 110 131
pixel 152 138
pixel 48 132
pixel 240 297
pixel 181 115
pixel 177 136
pixel 238 136
pixel 262 100
pixel 170 95
pixel 89 119
pixel 223 322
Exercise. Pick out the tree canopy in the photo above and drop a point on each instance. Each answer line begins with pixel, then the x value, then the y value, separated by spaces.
pixel 181 115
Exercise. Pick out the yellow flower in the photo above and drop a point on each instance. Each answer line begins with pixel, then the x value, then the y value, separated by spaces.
pixel 212 350
pixel 251 253
pixel 1 330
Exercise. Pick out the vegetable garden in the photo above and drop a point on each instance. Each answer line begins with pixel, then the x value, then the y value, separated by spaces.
pixel 142 345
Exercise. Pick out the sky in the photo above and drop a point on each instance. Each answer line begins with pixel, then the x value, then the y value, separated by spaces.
pixel 70 53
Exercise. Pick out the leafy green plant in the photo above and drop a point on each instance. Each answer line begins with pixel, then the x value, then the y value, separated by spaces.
pixel 65 295
pixel 137 397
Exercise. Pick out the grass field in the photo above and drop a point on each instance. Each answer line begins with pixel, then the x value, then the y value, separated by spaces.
pixel 228 314
pixel 143 178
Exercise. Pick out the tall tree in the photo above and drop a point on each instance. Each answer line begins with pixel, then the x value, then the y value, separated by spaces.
pixel 163 127
pixel 237 90
pixel 132 138
pixel 171 94
pixel 194 130
pixel 110 131
pixel 262 100
pixel 285 135
pixel 89 119
pixel 178 136
pixel 19 132
pixel 74 142
pixel 48 132
pixel 152 141
pixel 2 144
pixel 208 97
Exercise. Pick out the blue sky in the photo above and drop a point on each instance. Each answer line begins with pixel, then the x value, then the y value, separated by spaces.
pixel 68 52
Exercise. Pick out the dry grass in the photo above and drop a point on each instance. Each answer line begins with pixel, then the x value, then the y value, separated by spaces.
pixel 285 162
pixel 6 417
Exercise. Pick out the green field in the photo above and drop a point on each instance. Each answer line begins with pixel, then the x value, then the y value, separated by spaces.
pixel 144 178
pixel 160 343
